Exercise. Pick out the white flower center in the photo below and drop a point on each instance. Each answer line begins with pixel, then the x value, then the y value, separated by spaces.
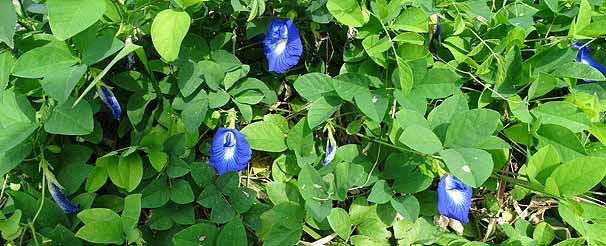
pixel 455 195
pixel 280 47
pixel 229 143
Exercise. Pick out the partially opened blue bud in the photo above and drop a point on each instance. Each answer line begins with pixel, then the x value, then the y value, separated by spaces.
pixel 111 102
pixel 454 198
pixel 584 57
pixel 282 44
pixel 229 151
pixel 435 37
pixel 130 60
pixel 57 193
pixel 331 150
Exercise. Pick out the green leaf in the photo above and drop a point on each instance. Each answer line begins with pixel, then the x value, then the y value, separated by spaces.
pixel 472 166
pixel 213 73
pixel 8 21
pixel 41 61
pixel 233 234
pixel 375 48
pixel 519 108
pixel 194 113
pixel 321 109
pixel 242 199
pixel 178 167
pixel 131 171
pixel 168 30
pixel 300 139
pixel 577 70
pixel 218 98
pixel 310 183
pixel 407 206
pixel 282 225
pixel 412 19
pixel 373 104
pixel 564 114
pixel 584 16
pixel 7 61
pixel 101 48
pixel 156 194
pixel 66 119
pixel 346 176
pixel 72 175
pixel 128 48
pixel 181 192
pixel 187 3
pixel 347 12
pixel 96 179
pixel 202 173
pixel 97 218
pixel 251 97
pixel 111 232
pixel 577 176
pixel 469 128
pixel 438 83
pixel 69 17
pixel 265 136
pixel 340 223
pixel 348 85
pixel 279 192
pixel 421 139
pixel 190 77
pixel 17 122
pixel 132 210
pixel 228 182
pixel 381 193
pixel 158 159
pixel 543 233
pixel 563 140
pixel 405 75
pixel 541 165
pixel 196 234
pixel 542 85
pixel 594 29
pixel 60 84
pixel 311 86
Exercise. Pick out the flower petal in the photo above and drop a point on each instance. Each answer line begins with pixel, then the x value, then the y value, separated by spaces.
pixel 331 150
pixel 435 37
pixel 584 57
pixel 111 102
pixel 282 44
pixel 61 200
pixel 454 198
pixel 229 151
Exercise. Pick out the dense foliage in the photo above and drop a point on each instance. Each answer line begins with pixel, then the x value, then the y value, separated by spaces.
pixel 298 122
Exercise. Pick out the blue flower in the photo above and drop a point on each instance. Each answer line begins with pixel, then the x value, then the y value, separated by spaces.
pixel 110 101
pixel 454 198
pixel 435 37
pixel 584 57
pixel 282 45
pixel 56 192
pixel 331 150
pixel 229 151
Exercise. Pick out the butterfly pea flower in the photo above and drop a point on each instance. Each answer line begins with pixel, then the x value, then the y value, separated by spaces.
pixel 58 195
pixel 282 44
pixel 583 56
pixel 435 37
pixel 454 198
pixel 331 150
pixel 111 102
pixel 229 151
